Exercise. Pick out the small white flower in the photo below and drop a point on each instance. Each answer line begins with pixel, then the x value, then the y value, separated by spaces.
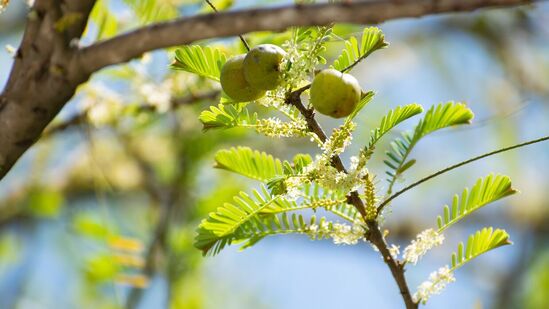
pixel 293 187
pixel 10 48
pixel 274 127
pixel 346 234
pixel 394 250
pixel 102 105
pixel 340 139
pixel 424 242
pixel 436 283
pixel 158 96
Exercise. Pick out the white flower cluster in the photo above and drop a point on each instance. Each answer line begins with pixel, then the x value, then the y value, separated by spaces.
pixel 274 127
pixel 102 105
pixel 158 95
pixel 340 139
pixel 394 250
pixel 319 231
pixel 276 100
pixel 436 283
pixel 322 172
pixel 303 55
pixel 424 242
pixel 293 187
pixel 346 234
pixel 340 233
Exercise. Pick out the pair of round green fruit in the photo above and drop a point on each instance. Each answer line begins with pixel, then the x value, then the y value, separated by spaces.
pixel 247 77
pixel 335 94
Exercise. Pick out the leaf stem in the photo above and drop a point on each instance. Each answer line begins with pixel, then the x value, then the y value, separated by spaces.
pixel 442 171
pixel 240 36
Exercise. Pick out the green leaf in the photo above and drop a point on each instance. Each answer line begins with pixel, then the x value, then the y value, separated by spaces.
pixel 240 221
pixel 443 116
pixel 372 40
pixel 397 157
pixel 226 116
pixel 204 61
pixel 479 243
pixel 437 117
pixel 485 191
pixel 392 119
pixel 229 217
pixel 315 197
pixel 365 99
pixel 251 234
pixel 153 10
pixel 45 202
pixel 220 5
pixel 247 162
pixel 301 160
pixel 105 21
pixel 250 219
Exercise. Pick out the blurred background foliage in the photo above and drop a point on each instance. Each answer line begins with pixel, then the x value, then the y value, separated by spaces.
pixel 101 212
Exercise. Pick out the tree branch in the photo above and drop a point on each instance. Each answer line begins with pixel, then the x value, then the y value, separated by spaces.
pixel 79 119
pixel 374 235
pixel 48 67
pixel 187 30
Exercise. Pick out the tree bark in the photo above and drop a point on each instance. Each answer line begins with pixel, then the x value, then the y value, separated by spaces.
pixel 44 76
pixel 49 67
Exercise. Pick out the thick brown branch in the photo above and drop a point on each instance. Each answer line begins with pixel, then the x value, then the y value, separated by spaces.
pixel 46 73
pixel 186 30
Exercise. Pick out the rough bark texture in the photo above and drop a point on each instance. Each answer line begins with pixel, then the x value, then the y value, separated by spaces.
pixel 48 66
pixel 43 78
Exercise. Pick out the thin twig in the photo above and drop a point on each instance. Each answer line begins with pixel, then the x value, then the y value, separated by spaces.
pixel 392 197
pixel 79 119
pixel 240 36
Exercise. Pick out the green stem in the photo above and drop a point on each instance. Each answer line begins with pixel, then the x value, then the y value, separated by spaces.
pixel 392 197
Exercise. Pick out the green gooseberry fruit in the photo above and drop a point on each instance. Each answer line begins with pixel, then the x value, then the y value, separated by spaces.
pixel 234 84
pixel 334 93
pixel 262 66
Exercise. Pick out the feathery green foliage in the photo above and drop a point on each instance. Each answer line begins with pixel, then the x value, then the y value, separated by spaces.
pixel 105 21
pixel 396 161
pixel 226 116
pixel 443 116
pixel 290 189
pixel 247 162
pixel 248 219
pixel 229 217
pixel 314 197
pixel 479 243
pixel 153 10
pixel 485 191
pixel 364 100
pixel 201 60
pixel 251 233
pixel 392 119
pixel 372 40
pixel 437 117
